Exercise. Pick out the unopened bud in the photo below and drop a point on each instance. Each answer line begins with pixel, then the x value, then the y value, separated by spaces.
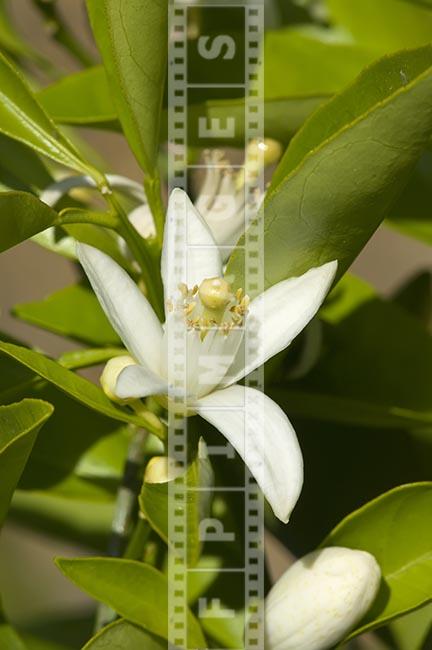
pixel 161 469
pixel 266 151
pixel 320 599
pixel 111 373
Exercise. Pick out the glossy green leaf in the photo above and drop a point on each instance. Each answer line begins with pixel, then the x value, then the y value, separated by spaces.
pixel 396 529
pixel 77 520
pixel 422 3
pixel 199 581
pixel 370 370
pixel 133 40
pixel 21 168
pixel 10 639
pixel 63 241
pixel 87 358
pixel 74 385
pixel 136 591
pixel 76 442
pixel 227 632
pixel 283 116
pixel 385 26
pixel 22 215
pixel 123 634
pixel 74 312
pixel 412 631
pixel 19 427
pixel 316 190
pixel 95 106
pixel 156 502
pixel 22 118
pixel 304 61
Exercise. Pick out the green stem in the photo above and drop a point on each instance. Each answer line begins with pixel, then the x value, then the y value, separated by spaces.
pixel 76 215
pixel 153 193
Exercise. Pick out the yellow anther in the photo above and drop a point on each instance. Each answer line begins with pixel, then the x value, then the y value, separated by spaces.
pixel 239 294
pixel 189 308
pixel 183 289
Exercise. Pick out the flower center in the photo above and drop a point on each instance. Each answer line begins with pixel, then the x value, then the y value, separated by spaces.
pixel 212 305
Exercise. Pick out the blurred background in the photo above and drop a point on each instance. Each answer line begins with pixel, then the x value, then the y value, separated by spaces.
pixel 29 273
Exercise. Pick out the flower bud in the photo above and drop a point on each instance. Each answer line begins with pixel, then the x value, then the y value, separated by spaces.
pixel 320 599
pixel 111 373
pixel 161 469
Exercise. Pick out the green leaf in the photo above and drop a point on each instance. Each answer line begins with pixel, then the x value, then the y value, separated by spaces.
pixel 283 116
pixel 9 638
pixel 396 529
pixel 76 442
pixel 22 215
pixel 74 385
pixel 83 521
pixel 22 118
pixel 304 61
pixel 316 190
pixel 21 168
pixel 370 370
pixel 123 634
pixel 95 106
pixel 19 427
pixel 156 504
pixel 133 40
pixel 385 26
pixel 412 631
pixel 74 312
pixel 228 632
pixel 422 3
pixel 78 359
pixel 63 241
pixel 136 591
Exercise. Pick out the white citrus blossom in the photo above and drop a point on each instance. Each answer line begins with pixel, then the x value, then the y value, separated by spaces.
pixel 320 599
pixel 221 201
pixel 222 197
pixel 215 322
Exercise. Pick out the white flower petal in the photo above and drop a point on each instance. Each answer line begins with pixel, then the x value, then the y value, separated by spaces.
pixel 278 315
pixel 137 381
pixel 128 310
pixel 142 220
pixel 189 254
pixel 264 438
